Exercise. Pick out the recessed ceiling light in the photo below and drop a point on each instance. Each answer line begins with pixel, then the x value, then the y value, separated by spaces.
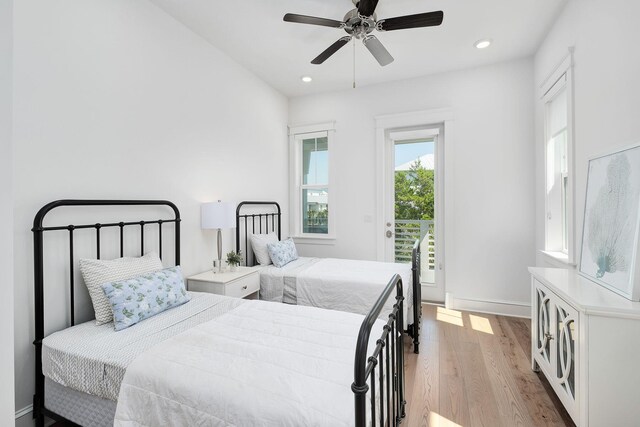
pixel 306 79
pixel 483 44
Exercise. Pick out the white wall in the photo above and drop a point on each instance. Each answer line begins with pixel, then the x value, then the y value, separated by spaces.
pixel 606 102
pixel 490 230
pixel 115 99
pixel 6 214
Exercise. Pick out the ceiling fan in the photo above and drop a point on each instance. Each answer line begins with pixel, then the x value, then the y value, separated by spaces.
pixel 360 22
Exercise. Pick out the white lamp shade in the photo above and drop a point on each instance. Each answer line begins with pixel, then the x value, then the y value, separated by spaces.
pixel 218 215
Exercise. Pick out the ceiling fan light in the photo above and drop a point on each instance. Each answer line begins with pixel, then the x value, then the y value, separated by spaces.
pixel 306 79
pixel 483 44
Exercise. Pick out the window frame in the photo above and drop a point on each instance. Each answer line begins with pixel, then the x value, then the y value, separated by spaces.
pixel 561 247
pixel 296 135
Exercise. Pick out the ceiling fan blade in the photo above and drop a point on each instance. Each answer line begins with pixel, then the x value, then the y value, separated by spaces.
pixel 429 19
pixel 367 7
pixel 304 19
pixel 378 51
pixel 331 50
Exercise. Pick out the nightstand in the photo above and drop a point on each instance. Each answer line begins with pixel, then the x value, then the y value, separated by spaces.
pixel 243 283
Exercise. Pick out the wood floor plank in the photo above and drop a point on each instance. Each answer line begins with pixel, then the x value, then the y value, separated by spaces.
pixel 483 409
pixel 522 330
pixel 474 370
pixel 513 411
pixel 536 399
pixel 411 377
pixel 453 395
pixel 426 387
pixel 429 327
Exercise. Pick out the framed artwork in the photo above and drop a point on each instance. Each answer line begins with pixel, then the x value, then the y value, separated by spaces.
pixel 610 243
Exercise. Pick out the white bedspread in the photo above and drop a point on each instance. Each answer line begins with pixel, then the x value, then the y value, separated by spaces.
pixel 260 364
pixel 336 284
pixel 353 286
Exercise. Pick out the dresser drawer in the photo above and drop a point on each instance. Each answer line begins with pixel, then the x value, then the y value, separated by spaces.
pixel 244 286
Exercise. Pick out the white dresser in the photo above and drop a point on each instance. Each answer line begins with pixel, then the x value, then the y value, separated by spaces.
pixel 586 341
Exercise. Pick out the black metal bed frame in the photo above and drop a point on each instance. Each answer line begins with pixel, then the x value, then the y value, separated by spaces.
pixel 39 409
pixel 386 390
pixel 263 218
pixel 244 220
pixel 389 355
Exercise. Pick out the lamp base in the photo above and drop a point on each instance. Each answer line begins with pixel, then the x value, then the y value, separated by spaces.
pixel 219 250
pixel 217 266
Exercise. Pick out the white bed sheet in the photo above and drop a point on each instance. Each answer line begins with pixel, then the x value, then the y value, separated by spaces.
pixel 277 284
pixel 258 364
pixel 336 284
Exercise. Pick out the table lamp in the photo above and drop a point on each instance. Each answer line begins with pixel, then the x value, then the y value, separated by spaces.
pixel 218 215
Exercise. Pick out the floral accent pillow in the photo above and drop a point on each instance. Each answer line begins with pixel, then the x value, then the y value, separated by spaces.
pixel 282 253
pixel 136 299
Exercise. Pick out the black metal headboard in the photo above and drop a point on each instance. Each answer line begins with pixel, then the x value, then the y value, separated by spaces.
pixel 261 221
pixel 38 258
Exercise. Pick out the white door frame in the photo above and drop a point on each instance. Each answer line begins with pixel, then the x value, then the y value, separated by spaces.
pixel 384 189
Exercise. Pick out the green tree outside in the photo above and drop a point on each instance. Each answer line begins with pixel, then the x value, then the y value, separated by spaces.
pixel 415 193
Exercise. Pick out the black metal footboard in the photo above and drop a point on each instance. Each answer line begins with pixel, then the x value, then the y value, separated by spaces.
pixel 385 386
pixel 414 329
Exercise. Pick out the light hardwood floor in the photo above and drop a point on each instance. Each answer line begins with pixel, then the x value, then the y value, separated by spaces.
pixel 475 370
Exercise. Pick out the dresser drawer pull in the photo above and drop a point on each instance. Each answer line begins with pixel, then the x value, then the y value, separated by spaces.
pixel 244 287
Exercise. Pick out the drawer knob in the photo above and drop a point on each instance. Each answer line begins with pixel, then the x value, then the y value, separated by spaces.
pixel 244 287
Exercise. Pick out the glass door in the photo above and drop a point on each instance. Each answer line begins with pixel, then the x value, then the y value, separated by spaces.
pixel 412 207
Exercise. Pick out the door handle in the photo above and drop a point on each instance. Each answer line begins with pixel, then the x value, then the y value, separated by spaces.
pixel 389 234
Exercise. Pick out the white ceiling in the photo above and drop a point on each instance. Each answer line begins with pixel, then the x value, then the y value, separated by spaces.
pixel 252 32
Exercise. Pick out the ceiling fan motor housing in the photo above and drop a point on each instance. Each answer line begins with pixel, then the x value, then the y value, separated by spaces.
pixel 359 26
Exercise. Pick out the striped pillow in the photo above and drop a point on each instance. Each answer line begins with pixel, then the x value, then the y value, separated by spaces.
pixel 97 272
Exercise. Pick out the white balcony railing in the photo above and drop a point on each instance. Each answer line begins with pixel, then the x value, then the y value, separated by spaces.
pixel 407 231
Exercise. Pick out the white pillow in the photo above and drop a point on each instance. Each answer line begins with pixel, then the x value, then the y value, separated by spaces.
pixel 98 272
pixel 259 244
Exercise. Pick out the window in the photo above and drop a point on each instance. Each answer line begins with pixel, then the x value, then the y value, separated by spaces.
pixel 557 97
pixel 310 186
pixel 315 184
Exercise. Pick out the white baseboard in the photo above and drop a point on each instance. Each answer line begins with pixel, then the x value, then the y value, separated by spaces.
pixel 24 411
pixel 502 308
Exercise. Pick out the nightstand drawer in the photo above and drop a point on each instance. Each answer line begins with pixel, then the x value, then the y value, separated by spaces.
pixel 237 284
pixel 242 287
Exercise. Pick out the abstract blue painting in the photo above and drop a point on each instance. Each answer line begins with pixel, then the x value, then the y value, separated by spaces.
pixel 612 222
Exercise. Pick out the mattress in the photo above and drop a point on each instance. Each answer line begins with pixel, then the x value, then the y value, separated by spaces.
pixel 336 284
pixel 81 408
pixel 93 359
